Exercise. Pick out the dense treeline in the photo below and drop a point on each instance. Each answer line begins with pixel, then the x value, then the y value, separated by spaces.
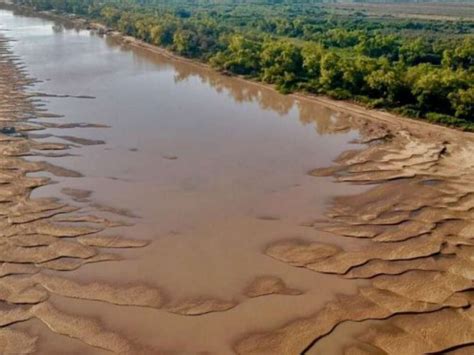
pixel 418 68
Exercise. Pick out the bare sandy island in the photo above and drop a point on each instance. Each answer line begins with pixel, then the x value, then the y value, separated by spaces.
pixel 417 264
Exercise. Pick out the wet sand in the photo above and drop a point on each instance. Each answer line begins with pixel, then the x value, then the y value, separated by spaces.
pixel 201 219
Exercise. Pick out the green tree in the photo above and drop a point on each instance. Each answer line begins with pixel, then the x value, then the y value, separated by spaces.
pixel 413 52
pixel 312 54
pixel 355 71
pixel 185 42
pixel 379 46
pixel 332 72
pixel 241 57
pixel 431 86
pixel 162 34
pixel 388 83
pixel 462 56
pixel 462 102
pixel 110 14
pixel 281 63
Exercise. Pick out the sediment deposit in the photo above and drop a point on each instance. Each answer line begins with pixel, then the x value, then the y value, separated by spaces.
pixel 417 218
pixel 43 235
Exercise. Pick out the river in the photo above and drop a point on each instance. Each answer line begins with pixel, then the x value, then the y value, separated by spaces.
pixel 209 169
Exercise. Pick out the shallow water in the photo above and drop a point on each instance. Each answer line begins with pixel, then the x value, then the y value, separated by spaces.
pixel 208 168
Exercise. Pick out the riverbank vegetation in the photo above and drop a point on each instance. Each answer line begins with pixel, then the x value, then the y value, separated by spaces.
pixel 418 68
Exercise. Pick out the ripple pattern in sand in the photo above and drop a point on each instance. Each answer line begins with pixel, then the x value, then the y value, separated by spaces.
pixel 418 220
pixel 41 236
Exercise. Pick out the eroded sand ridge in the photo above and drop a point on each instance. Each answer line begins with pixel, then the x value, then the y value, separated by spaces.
pixel 418 219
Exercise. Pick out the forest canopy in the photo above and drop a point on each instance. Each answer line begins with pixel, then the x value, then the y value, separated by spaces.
pixel 419 68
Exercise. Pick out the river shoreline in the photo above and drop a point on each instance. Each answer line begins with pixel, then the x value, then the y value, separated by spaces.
pixel 347 106
pixel 339 105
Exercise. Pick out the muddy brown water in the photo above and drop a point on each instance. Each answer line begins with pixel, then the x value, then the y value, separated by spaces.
pixel 208 168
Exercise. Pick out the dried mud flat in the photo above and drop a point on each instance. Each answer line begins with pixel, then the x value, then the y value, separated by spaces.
pixel 416 218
